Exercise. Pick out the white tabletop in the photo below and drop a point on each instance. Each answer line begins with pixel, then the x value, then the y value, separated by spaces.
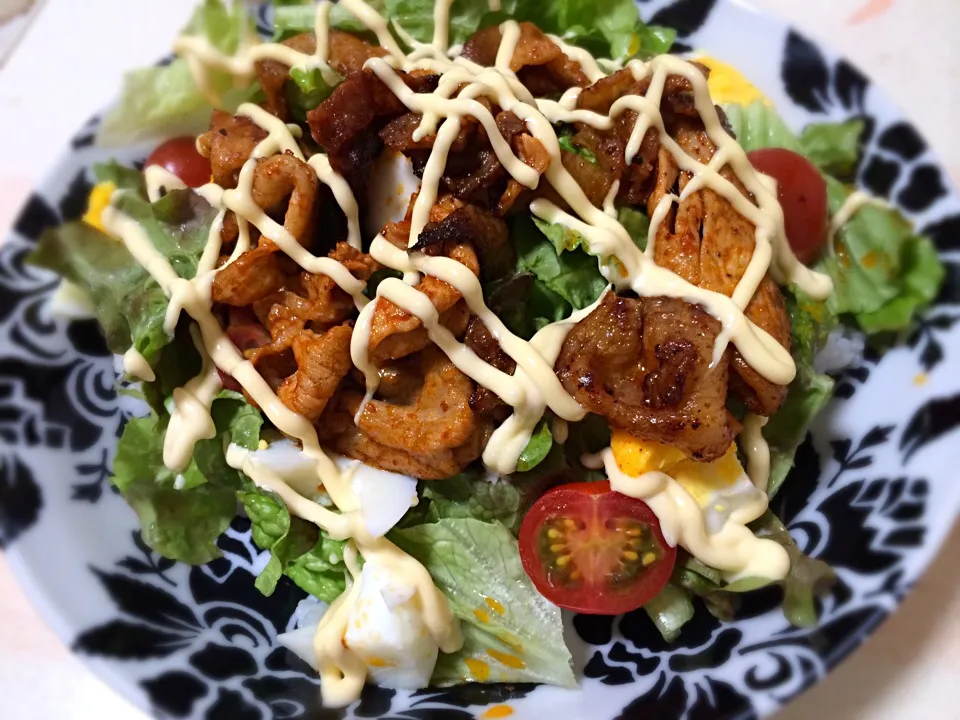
pixel 70 63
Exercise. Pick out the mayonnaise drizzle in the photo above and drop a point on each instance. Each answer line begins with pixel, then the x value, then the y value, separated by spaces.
pixel 756 449
pixel 135 365
pixel 851 206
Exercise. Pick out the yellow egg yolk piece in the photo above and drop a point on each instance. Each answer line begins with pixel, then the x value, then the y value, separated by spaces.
pixel 97 203
pixel 702 480
pixel 729 85
pixel 636 457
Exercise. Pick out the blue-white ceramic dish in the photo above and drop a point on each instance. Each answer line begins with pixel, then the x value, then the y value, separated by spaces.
pixel 874 492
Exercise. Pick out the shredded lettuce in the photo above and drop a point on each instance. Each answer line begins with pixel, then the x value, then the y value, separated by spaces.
pixel 508 626
pixel 129 304
pixel 163 100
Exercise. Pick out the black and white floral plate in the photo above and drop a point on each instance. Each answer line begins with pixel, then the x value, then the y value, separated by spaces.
pixel 874 492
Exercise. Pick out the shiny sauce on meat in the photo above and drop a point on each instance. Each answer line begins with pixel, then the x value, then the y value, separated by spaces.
pixel 534 387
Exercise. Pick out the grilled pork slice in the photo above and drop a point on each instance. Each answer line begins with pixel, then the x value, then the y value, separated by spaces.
pixel 708 243
pixel 644 364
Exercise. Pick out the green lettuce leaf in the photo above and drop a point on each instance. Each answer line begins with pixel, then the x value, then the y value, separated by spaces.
pixel 759 126
pixel 471 495
pixel 808 578
pixel 129 304
pixel 298 549
pixel 810 323
pixel 124 178
pixel 670 610
pixel 164 101
pixel 537 449
pixel 568 271
pixel 884 274
pixel 636 223
pixel 834 147
pixel 525 304
pixel 477 566
pixel 182 515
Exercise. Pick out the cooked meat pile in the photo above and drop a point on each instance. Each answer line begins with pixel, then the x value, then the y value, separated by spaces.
pixel 644 364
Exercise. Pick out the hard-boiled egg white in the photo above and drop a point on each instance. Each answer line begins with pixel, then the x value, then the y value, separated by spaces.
pixel 392 182
pixel 386 630
pixel 728 85
pixel 294 467
pixel 300 640
pixel 384 496
pixel 718 487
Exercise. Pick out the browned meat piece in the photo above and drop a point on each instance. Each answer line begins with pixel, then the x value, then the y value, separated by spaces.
pixel 356 444
pixel 438 419
pixel 322 362
pixel 432 436
pixel 531 152
pixel 394 332
pixel 254 275
pixel 347 54
pixel 310 300
pixel 228 145
pixel 484 402
pixel 708 243
pixel 677 93
pixel 347 124
pixel 398 134
pixel 595 177
pixel 286 187
pixel 398 334
pixel 488 235
pixel 540 64
pixel 645 366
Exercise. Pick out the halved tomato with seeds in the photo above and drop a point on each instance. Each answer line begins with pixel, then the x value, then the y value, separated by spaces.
pixel 593 550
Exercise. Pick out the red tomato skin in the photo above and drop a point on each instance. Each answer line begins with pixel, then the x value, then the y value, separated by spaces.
pixel 565 500
pixel 802 192
pixel 180 157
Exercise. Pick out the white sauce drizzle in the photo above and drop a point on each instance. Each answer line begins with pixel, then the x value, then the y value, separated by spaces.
pixel 756 449
pixel 190 419
pixel 135 365
pixel 159 181
pixel 851 206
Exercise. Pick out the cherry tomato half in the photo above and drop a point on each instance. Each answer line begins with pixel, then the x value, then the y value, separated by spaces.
pixel 803 196
pixel 593 550
pixel 180 157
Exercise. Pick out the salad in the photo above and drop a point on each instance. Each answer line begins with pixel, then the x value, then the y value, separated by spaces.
pixel 477 311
